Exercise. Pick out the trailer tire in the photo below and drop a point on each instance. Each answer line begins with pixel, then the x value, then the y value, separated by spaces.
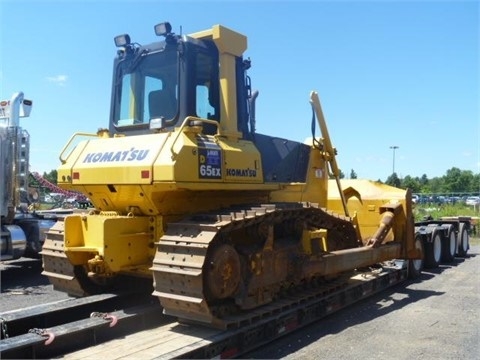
pixel 433 250
pixel 449 245
pixel 415 266
pixel 463 241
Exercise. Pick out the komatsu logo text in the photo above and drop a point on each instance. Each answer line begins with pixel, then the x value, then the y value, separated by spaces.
pixel 242 172
pixel 116 156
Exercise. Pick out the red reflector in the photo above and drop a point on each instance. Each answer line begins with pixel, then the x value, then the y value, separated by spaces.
pixel 76 175
pixel 145 174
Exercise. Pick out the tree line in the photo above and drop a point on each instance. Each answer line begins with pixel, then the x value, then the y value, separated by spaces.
pixel 455 181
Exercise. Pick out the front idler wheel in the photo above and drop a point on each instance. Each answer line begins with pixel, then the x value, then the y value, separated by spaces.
pixel 222 272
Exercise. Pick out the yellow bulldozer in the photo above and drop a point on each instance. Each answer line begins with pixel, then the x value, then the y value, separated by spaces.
pixel 217 218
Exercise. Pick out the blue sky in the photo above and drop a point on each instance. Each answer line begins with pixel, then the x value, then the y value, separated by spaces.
pixel 388 73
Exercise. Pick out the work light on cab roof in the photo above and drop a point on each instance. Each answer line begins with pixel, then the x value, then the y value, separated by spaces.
pixel 163 29
pixel 122 40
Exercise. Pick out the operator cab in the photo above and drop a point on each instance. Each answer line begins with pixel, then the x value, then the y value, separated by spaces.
pixel 156 86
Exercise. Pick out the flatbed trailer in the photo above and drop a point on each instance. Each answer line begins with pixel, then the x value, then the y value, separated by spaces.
pixel 190 340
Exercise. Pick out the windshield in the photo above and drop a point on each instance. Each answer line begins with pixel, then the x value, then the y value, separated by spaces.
pixel 147 89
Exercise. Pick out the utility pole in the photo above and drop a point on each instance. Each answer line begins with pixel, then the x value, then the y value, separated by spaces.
pixel 394 147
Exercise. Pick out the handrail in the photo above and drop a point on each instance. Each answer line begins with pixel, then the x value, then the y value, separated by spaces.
pixel 62 160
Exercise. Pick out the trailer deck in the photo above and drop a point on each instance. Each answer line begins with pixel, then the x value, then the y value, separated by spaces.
pixel 189 340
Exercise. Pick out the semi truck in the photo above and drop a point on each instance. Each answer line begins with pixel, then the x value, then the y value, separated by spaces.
pixel 22 231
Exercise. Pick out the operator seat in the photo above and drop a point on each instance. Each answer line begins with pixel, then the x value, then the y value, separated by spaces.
pixel 162 103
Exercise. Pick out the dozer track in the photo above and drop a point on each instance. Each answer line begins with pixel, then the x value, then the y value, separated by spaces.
pixel 212 267
pixel 56 265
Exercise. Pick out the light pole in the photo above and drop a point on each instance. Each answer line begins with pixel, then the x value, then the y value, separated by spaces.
pixel 393 148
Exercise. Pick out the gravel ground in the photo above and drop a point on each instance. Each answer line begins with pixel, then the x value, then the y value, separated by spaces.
pixel 435 317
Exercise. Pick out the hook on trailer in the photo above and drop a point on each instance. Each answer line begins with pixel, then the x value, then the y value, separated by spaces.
pixel 44 332
pixel 112 318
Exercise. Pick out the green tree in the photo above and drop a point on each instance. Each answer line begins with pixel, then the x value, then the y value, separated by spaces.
pixel 424 180
pixel 435 185
pixel 32 181
pixel 51 176
pixel 456 180
pixel 476 183
pixel 393 180
pixel 353 174
pixel 411 183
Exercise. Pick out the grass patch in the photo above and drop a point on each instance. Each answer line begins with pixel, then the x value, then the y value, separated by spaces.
pixel 439 211
pixel 445 210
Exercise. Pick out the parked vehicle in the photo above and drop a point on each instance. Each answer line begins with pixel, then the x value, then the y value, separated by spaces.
pixel 473 200
pixel 22 233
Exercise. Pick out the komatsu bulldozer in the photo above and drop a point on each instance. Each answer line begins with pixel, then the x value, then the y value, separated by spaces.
pixel 219 219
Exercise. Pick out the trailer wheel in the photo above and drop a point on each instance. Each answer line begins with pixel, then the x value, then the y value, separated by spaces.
pixel 415 266
pixel 449 245
pixel 463 241
pixel 433 250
